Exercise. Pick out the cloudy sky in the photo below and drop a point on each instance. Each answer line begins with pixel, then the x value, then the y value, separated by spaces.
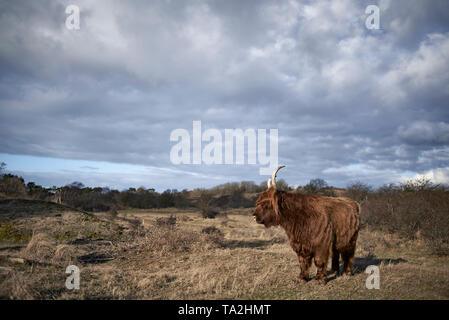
pixel 98 104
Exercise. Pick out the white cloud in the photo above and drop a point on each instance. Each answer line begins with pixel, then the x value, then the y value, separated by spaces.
pixel 437 176
pixel 422 70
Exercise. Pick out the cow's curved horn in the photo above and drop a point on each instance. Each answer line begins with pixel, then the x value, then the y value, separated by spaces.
pixel 269 183
pixel 273 176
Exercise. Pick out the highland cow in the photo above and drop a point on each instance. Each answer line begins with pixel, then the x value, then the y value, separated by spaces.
pixel 315 226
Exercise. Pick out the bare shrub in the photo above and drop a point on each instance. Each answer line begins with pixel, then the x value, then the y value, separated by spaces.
pixel 317 186
pixel 420 213
pixel 205 205
pixel 209 213
pixel 40 248
pixel 65 254
pixel 184 218
pixel 11 233
pixel 168 240
pixel 358 191
pixel 18 285
pixel 214 235
pixel 113 213
pixel 165 240
pixel 222 214
pixel 419 184
pixel 166 222
pixel 212 230
pixel 12 186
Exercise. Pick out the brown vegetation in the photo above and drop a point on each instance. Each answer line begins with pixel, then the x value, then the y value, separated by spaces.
pixel 412 214
pixel 125 250
pixel 222 258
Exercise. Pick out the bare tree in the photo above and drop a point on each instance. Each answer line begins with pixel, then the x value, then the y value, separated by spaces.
pixel 2 168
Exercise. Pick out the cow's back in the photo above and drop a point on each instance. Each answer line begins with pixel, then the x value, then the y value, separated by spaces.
pixel 344 215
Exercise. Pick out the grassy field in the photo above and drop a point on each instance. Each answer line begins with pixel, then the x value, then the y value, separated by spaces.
pixel 148 255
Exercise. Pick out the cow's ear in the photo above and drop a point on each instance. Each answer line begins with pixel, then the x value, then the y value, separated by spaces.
pixel 276 202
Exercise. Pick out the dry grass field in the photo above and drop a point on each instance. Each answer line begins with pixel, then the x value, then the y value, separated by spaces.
pixel 148 255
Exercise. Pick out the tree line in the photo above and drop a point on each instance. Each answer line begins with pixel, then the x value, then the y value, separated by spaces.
pixel 413 208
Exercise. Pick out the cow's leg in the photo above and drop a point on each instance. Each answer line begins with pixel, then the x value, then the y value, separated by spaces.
pixel 335 260
pixel 348 256
pixel 348 260
pixel 304 263
pixel 321 266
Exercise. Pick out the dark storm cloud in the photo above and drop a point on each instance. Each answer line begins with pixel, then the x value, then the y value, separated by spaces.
pixel 348 102
pixel 425 133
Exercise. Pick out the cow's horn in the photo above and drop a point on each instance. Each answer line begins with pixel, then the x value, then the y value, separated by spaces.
pixel 273 176
pixel 269 183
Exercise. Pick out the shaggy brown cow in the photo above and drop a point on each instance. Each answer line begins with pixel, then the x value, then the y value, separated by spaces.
pixel 315 225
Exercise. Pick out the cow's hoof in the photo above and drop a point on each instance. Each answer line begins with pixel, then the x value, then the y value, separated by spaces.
pixel 303 280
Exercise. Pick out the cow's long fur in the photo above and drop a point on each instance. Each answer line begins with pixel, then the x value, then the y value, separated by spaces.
pixel 315 226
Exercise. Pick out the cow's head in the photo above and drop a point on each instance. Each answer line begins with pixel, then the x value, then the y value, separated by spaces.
pixel 267 210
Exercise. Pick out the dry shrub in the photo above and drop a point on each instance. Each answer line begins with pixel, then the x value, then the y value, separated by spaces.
pixel 41 248
pixel 212 230
pixel 12 186
pixel 214 235
pixel 69 226
pixel 112 213
pixel 65 254
pixel 156 282
pixel 160 240
pixel 222 214
pixel 10 232
pixel 37 284
pixel 169 240
pixel 166 222
pixel 410 214
pixel 17 286
pixel 206 206
pixel 184 218
pixel 358 191
pixel 209 212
